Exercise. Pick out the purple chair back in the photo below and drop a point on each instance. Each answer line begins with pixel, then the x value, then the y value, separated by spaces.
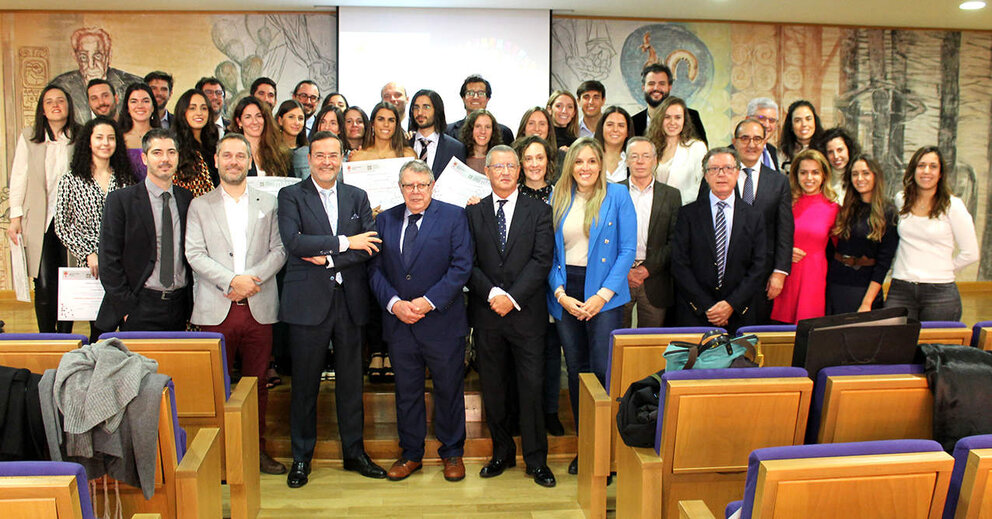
pixel 766 328
pixel 44 337
pixel 179 431
pixel 650 331
pixel 977 330
pixel 961 450
pixel 942 324
pixel 53 468
pixel 716 374
pixel 182 335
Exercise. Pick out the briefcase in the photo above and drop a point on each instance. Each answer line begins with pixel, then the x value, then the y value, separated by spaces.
pixel 885 336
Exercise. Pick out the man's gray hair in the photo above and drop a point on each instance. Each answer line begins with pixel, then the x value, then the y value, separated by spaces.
pixel 232 136
pixel 718 151
pixel 635 140
pixel 501 148
pixel 760 102
pixel 416 166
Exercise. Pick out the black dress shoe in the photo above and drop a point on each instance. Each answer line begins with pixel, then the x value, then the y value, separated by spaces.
pixel 298 474
pixel 542 476
pixel 495 467
pixel 573 467
pixel 365 466
pixel 553 425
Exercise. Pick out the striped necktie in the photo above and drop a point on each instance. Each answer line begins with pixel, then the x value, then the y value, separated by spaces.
pixel 721 241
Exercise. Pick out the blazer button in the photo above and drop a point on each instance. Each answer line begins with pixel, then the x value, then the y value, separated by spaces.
pixel 606 241
pixel 609 223
pixel 409 277
pixel 604 260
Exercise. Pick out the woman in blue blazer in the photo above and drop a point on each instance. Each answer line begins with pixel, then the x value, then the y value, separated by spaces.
pixel 595 239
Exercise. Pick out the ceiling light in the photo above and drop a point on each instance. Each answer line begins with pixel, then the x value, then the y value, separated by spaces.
pixel 972 5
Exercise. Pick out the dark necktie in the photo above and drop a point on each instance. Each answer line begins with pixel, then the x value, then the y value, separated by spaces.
pixel 748 194
pixel 423 149
pixel 501 225
pixel 721 241
pixel 410 236
pixel 167 265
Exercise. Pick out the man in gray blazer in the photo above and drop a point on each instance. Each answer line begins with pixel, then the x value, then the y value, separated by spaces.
pixel 234 248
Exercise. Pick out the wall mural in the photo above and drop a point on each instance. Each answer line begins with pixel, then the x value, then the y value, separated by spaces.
pixel 896 90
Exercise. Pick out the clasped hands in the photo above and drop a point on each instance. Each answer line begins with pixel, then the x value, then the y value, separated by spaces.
pixel 637 275
pixel 582 311
pixel 365 241
pixel 411 311
pixel 719 314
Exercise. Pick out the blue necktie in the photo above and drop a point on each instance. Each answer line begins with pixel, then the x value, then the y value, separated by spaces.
pixel 501 225
pixel 721 241
pixel 748 194
pixel 410 236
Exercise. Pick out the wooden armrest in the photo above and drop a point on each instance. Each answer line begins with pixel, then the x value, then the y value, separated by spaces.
pixel 694 510
pixel 594 425
pixel 146 516
pixel 241 430
pixel 198 477
pixel 639 481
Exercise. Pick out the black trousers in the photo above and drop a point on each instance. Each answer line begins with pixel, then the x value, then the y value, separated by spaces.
pixel 46 285
pixel 308 350
pixel 505 353
pixel 158 312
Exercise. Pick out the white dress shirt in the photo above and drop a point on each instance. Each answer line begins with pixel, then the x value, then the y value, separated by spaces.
pixel 643 201
pixel 237 225
pixel 432 141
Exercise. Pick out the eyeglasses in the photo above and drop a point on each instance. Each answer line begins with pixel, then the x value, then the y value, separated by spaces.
pixel 475 93
pixel 304 97
pixel 765 118
pixel 723 170
pixel 410 188
pixel 748 140
pixel 637 157
pixel 499 168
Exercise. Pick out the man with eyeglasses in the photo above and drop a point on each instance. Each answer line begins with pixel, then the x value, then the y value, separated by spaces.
pixel 718 251
pixel 214 90
pixel 426 259
pixel 329 235
pixel 308 94
pixel 765 111
pixel 514 243
pixel 475 93
pixel 428 139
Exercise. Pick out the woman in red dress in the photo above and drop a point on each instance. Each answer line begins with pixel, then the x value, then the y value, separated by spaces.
pixel 804 293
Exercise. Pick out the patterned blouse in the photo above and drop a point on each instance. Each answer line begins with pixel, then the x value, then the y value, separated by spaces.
pixel 79 213
pixel 543 194
pixel 200 184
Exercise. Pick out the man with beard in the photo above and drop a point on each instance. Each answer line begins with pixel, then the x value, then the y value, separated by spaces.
pixel 308 94
pixel 216 95
pixel 161 84
pixel 234 249
pixel 102 98
pixel 656 82
pixel 476 93
pixel 429 141
pixel 91 47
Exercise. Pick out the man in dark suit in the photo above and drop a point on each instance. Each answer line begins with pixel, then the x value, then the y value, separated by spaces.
pixel 514 242
pixel 418 278
pixel 328 232
pixel 476 93
pixel 656 82
pixel 657 206
pixel 765 111
pixel 427 125
pixel 718 252
pixel 143 265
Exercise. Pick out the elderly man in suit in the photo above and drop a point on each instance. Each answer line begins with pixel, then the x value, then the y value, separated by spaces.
pixel 427 126
pixel 142 266
pixel 327 229
pixel 657 207
pixel 234 249
pixel 418 278
pixel 718 251
pixel 514 243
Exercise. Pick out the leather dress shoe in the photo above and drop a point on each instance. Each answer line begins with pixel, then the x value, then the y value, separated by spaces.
pixel 268 465
pixel 402 468
pixel 553 425
pixel 454 469
pixel 573 467
pixel 298 474
pixel 365 466
pixel 542 476
pixel 496 466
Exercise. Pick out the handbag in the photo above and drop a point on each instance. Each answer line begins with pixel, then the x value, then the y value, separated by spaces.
pixel 716 350
pixel 883 336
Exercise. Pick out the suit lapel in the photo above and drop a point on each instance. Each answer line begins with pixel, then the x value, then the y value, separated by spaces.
pixel 595 230
pixel 254 210
pixel 145 206
pixel 521 214
pixel 428 226
pixel 706 215
pixel 312 200
pixel 489 219
pixel 344 210
pixel 220 215
pixel 737 229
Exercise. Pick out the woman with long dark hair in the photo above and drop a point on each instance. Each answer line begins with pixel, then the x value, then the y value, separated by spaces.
pixel 99 165
pixel 356 124
pixel 479 134
pixel 291 122
pixel 864 240
pixel 196 140
pixel 41 157
pixel 932 224
pixel 614 129
pixel 800 130
pixel 384 140
pixel 270 156
pixel 140 114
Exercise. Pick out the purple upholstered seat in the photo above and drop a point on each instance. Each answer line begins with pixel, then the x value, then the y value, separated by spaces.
pixel 53 468
pixel 181 335
pixel 820 385
pixel 826 450
pixel 942 324
pixel 977 329
pixel 650 331
pixel 961 450
pixel 179 431
pixel 43 337
pixel 716 374
pixel 766 328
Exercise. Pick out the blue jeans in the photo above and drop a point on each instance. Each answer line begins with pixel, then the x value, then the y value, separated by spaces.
pixel 586 344
pixel 926 301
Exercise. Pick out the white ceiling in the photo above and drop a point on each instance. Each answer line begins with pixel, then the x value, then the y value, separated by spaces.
pixel 887 13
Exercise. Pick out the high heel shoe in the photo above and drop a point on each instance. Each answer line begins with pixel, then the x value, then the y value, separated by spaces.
pixel 388 376
pixel 375 371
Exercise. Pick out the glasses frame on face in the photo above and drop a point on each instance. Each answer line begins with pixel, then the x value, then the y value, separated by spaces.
pixel 745 139
pixel 722 170
pixel 475 93
pixel 504 166
pixel 416 186
pixel 311 98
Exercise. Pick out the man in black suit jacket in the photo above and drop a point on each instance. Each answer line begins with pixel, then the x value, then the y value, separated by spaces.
pixel 656 82
pixel 718 252
pixel 329 235
pixel 427 125
pixel 475 93
pixel 657 207
pixel 143 265
pixel 514 242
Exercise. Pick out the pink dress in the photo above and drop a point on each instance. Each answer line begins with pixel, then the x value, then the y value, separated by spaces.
pixel 804 293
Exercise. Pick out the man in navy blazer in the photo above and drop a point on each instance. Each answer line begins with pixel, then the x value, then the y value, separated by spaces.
pixel 428 139
pixel 718 251
pixel 327 229
pixel 418 277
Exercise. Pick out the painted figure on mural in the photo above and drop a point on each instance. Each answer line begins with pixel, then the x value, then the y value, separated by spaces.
pixel 91 46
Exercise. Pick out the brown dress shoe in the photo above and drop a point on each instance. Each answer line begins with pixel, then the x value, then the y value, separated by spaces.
pixel 454 469
pixel 270 466
pixel 402 469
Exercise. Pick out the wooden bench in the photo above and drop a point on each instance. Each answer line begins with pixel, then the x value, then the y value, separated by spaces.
pixel 970 493
pixel 777 343
pixel 944 332
pixel 709 422
pixel 981 335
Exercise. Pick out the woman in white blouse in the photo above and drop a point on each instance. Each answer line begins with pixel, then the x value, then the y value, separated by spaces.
pixel 40 159
pixel 680 152
pixel 932 223
pixel 614 129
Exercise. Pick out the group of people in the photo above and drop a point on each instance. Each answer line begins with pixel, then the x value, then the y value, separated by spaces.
pixel 597 220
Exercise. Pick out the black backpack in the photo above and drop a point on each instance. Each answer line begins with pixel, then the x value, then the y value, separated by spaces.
pixel 637 416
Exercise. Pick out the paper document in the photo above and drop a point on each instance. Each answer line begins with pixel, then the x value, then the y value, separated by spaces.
pixel 19 270
pixel 271 185
pixel 459 182
pixel 80 294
